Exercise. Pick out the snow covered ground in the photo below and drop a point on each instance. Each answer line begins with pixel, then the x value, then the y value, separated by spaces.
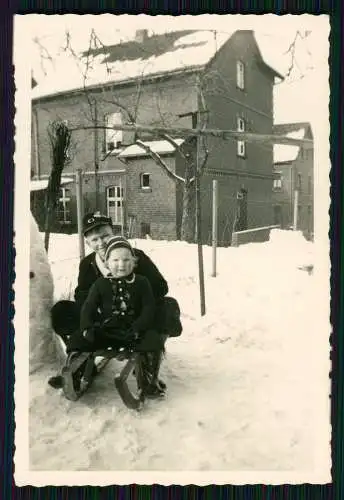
pixel 247 383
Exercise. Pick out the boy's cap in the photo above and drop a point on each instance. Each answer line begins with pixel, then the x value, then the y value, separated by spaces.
pixel 93 220
pixel 117 242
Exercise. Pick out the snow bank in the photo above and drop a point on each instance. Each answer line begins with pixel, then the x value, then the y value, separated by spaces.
pixel 42 340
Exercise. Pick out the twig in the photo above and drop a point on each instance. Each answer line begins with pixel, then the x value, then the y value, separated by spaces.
pixel 44 54
pixel 169 139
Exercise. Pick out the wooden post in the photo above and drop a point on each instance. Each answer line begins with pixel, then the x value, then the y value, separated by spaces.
pixel 214 225
pixel 36 142
pixel 199 245
pixel 199 218
pixel 296 203
pixel 79 208
pixel 122 199
pixel 96 162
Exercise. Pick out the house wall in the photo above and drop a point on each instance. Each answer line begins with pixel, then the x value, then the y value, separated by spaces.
pixel 283 197
pixel 158 103
pixel 254 104
pixel 304 165
pixel 155 206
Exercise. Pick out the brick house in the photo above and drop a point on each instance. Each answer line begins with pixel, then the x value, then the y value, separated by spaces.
pixel 155 78
pixel 294 170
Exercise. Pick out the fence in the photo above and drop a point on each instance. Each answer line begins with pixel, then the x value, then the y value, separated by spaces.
pixel 258 234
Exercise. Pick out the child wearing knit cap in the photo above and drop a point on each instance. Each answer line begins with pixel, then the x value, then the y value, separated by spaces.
pixel 120 307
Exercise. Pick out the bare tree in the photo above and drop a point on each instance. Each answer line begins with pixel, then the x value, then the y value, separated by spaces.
pixel 60 137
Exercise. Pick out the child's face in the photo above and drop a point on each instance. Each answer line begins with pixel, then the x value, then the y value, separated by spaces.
pixel 97 239
pixel 120 262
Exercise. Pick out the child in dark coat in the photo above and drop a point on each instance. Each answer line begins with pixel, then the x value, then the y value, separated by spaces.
pixel 120 308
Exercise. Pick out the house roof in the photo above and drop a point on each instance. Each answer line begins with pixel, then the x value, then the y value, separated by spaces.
pixel 41 184
pixel 284 153
pixel 160 147
pixel 156 55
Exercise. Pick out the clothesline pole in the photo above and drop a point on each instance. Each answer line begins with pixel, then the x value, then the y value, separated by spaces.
pixel 214 227
pixel 79 209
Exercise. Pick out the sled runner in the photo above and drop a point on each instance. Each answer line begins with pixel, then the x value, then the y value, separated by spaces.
pixel 82 368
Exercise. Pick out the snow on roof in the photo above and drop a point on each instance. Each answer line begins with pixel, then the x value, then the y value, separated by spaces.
pixel 158 54
pixel 41 184
pixel 160 147
pixel 284 153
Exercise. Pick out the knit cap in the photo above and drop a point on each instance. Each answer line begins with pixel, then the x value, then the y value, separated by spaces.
pixel 117 242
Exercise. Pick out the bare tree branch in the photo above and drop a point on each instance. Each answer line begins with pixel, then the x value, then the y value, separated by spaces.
pixel 157 158
pixel 44 54
pixel 138 97
pixel 292 50
pixel 91 101
pixel 205 115
pixel 176 146
pixel 109 153
pixel 117 103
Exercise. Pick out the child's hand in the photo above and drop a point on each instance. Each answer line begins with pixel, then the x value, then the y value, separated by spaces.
pixel 88 335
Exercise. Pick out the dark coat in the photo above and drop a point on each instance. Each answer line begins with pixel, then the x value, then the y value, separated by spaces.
pixel 89 272
pixel 104 295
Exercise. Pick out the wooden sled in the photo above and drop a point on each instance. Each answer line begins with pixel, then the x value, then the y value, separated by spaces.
pixel 82 368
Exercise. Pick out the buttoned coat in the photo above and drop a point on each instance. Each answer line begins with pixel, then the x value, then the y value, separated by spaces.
pixel 134 293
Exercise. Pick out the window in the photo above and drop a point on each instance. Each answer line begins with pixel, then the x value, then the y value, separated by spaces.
pixel 304 153
pixel 145 181
pixel 113 138
pixel 240 75
pixel 114 202
pixel 63 214
pixel 241 146
pixel 277 183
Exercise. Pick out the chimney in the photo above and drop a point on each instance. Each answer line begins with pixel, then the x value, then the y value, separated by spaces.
pixel 141 36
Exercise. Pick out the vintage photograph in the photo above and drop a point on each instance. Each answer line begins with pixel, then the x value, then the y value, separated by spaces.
pixel 171 219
